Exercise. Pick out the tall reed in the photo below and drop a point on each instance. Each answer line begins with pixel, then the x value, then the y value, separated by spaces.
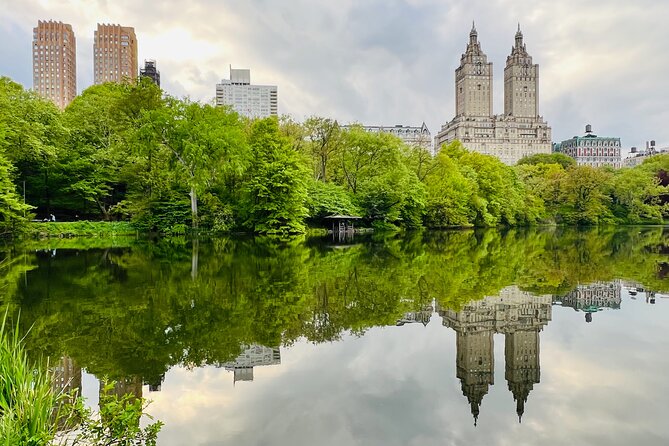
pixel 27 398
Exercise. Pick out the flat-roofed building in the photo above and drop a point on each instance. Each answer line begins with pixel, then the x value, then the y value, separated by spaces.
pixel 114 54
pixel 55 62
pixel 252 101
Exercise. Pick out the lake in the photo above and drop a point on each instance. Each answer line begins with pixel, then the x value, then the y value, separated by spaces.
pixel 514 337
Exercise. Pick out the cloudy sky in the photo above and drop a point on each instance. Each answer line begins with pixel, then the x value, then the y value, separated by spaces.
pixel 602 62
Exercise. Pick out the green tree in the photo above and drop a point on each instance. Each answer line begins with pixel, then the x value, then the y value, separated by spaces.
pixel 205 142
pixel 31 137
pixel 583 196
pixel 276 182
pixel 13 212
pixel 548 158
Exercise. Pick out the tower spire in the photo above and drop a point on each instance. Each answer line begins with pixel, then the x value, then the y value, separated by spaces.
pixel 473 35
pixel 519 37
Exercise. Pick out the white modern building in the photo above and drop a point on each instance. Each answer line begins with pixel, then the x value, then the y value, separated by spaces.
pixel 252 101
pixel 520 131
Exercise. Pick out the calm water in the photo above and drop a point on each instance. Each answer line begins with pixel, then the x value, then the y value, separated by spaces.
pixel 470 337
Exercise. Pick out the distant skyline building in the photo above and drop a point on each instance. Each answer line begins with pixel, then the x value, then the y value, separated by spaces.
pixel 252 101
pixel 151 71
pixel 252 356
pixel 637 157
pixel 114 54
pixel 592 297
pixel 520 131
pixel 55 62
pixel 592 150
pixel 411 135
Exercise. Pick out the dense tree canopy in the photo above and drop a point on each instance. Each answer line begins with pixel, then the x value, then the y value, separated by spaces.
pixel 126 151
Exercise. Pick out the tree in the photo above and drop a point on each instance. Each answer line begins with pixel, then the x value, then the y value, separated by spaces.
pixel 276 182
pixel 205 141
pixel 13 212
pixel 548 158
pixel 324 137
pixel 583 197
pixel 31 135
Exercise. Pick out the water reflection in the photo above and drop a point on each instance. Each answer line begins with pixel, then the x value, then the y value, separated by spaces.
pixel 139 312
pixel 253 356
pixel 519 316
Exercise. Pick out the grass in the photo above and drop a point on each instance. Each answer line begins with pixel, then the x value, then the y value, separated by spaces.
pixel 80 229
pixel 27 399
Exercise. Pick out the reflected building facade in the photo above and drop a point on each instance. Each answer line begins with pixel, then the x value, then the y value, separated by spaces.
pixel 516 314
pixel 592 298
pixel 252 356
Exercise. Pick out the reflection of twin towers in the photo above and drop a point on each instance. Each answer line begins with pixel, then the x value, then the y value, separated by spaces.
pixel 520 316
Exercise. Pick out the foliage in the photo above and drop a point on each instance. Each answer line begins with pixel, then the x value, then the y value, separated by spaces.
pixel 327 199
pixel 129 152
pixel 13 212
pixel 117 422
pixel 26 396
pixel 548 158
pixel 276 185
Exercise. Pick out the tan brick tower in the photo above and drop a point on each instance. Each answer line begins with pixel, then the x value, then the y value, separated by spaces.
pixel 114 54
pixel 55 62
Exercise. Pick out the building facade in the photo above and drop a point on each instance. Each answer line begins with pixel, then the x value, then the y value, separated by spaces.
pixel 114 54
pixel 252 101
pixel 637 157
pixel 55 62
pixel 520 131
pixel 150 71
pixel 415 136
pixel 592 150
pixel 252 356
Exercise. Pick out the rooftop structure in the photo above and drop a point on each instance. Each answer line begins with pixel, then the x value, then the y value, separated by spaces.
pixel 150 71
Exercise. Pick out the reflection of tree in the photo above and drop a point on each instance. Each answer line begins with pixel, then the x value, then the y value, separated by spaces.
pixel 140 309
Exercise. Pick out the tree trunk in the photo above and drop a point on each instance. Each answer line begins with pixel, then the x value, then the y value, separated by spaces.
pixel 193 205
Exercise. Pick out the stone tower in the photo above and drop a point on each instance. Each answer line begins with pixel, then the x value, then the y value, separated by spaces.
pixel 521 353
pixel 473 81
pixel 521 82
pixel 475 366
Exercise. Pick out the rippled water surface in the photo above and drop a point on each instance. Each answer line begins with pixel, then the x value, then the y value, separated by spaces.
pixel 466 337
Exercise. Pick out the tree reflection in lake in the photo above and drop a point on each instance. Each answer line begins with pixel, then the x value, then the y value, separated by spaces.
pixel 132 312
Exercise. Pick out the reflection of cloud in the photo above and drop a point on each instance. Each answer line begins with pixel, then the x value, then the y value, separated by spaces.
pixel 397 386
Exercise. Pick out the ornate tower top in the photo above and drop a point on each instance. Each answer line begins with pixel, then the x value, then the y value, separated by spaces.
pixel 518 51
pixel 473 47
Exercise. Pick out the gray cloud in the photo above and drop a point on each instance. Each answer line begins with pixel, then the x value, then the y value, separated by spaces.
pixel 387 62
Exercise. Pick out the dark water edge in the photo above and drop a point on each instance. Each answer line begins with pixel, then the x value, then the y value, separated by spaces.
pixel 371 340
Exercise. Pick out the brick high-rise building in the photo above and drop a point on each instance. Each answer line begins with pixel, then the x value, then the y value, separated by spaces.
pixel 55 62
pixel 114 54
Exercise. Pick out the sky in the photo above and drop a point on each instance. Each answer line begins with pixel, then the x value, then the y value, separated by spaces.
pixel 602 62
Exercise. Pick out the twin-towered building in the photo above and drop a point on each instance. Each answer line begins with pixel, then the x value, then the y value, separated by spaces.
pixel 520 131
